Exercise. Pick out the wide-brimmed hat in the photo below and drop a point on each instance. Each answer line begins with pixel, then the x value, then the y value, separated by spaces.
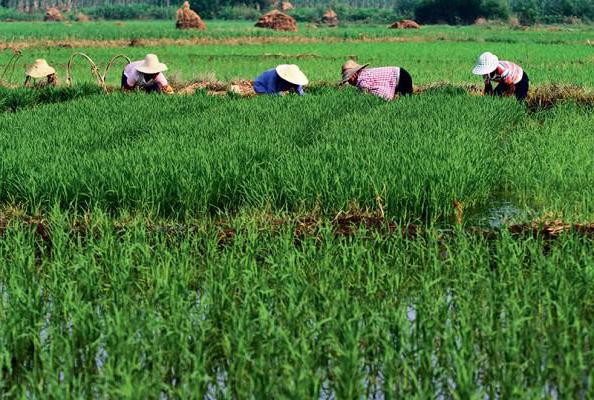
pixel 40 69
pixel 292 74
pixel 151 65
pixel 486 63
pixel 350 68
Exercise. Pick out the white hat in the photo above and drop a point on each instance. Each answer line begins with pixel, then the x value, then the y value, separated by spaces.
pixel 486 63
pixel 151 65
pixel 40 69
pixel 292 74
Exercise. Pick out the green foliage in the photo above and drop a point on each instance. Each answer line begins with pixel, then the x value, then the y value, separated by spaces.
pixel 17 99
pixel 460 11
pixel 320 157
pixel 370 11
pixel 130 11
pixel 158 246
pixel 123 310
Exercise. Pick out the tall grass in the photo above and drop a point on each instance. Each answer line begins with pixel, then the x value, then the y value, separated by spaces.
pixel 201 154
pixel 428 62
pixel 112 30
pixel 135 314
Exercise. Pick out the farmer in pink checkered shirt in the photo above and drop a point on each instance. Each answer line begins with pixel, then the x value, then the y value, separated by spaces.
pixel 385 82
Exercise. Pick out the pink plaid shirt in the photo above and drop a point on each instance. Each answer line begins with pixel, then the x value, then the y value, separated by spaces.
pixel 381 82
pixel 507 72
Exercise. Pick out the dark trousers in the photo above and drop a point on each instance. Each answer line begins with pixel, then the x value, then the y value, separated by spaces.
pixel 405 84
pixel 521 88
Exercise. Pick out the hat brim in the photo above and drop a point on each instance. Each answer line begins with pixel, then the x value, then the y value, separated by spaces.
pixel 291 75
pixel 485 69
pixel 348 74
pixel 155 70
pixel 37 73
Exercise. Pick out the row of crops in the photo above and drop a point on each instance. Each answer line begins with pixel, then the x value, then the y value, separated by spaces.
pixel 134 313
pixel 428 62
pixel 160 247
pixel 200 154
pixel 222 30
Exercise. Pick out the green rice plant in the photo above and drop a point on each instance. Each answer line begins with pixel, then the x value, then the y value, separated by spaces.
pixel 128 313
pixel 17 99
pixel 549 162
pixel 568 64
pixel 201 154
pixel 116 30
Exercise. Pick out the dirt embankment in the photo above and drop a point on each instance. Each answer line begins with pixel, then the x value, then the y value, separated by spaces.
pixel 246 40
pixel 344 224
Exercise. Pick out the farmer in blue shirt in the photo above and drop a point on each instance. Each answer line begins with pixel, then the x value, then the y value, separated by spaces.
pixel 284 78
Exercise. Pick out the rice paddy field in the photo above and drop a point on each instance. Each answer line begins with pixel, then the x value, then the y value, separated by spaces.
pixel 331 246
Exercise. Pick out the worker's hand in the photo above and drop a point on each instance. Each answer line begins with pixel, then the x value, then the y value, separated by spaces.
pixel 168 90
pixel 488 89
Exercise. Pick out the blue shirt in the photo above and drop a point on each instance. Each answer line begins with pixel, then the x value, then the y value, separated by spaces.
pixel 270 83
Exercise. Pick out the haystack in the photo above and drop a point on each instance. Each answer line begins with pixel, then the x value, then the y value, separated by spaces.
pixel 278 21
pixel 52 14
pixel 286 6
pixel 188 19
pixel 405 24
pixel 481 21
pixel 81 17
pixel 330 18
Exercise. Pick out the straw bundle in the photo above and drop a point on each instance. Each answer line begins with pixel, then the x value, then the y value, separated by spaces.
pixel 278 21
pixel 188 19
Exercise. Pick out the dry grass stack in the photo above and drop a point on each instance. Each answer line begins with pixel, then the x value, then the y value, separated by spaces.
pixel 188 19
pixel 286 6
pixel 278 21
pixel 81 17
pixel 53 14
pixel 330 18
pixel 405 24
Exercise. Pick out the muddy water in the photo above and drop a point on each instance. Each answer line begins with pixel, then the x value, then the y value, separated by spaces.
pixel 498 213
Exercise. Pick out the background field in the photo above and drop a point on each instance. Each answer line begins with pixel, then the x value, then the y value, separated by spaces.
pixel 231 50
pixel 226 247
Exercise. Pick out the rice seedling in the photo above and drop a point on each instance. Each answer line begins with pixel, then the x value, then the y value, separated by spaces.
pixel 297 247
pixel 226 153
pixel 546 64
pixel 136 314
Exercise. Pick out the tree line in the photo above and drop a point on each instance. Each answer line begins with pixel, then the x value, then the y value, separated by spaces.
pixel 425 11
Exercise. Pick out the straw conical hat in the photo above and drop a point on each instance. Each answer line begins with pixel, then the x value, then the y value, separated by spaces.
pixel 291 73
pixel 350 68
pixel 40 69
pixel 151 65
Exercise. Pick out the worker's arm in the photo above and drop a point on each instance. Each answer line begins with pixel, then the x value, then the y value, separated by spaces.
pixel 27 82
pixel 488 88
pixel 126 86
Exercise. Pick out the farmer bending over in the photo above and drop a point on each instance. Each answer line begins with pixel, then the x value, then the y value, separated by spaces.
pixel 280 80
pixel 39 70
pixel 511 78
pixel 146 75
pixel 385 82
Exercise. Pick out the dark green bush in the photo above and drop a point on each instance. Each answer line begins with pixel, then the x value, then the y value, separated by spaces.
pixel 131 11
